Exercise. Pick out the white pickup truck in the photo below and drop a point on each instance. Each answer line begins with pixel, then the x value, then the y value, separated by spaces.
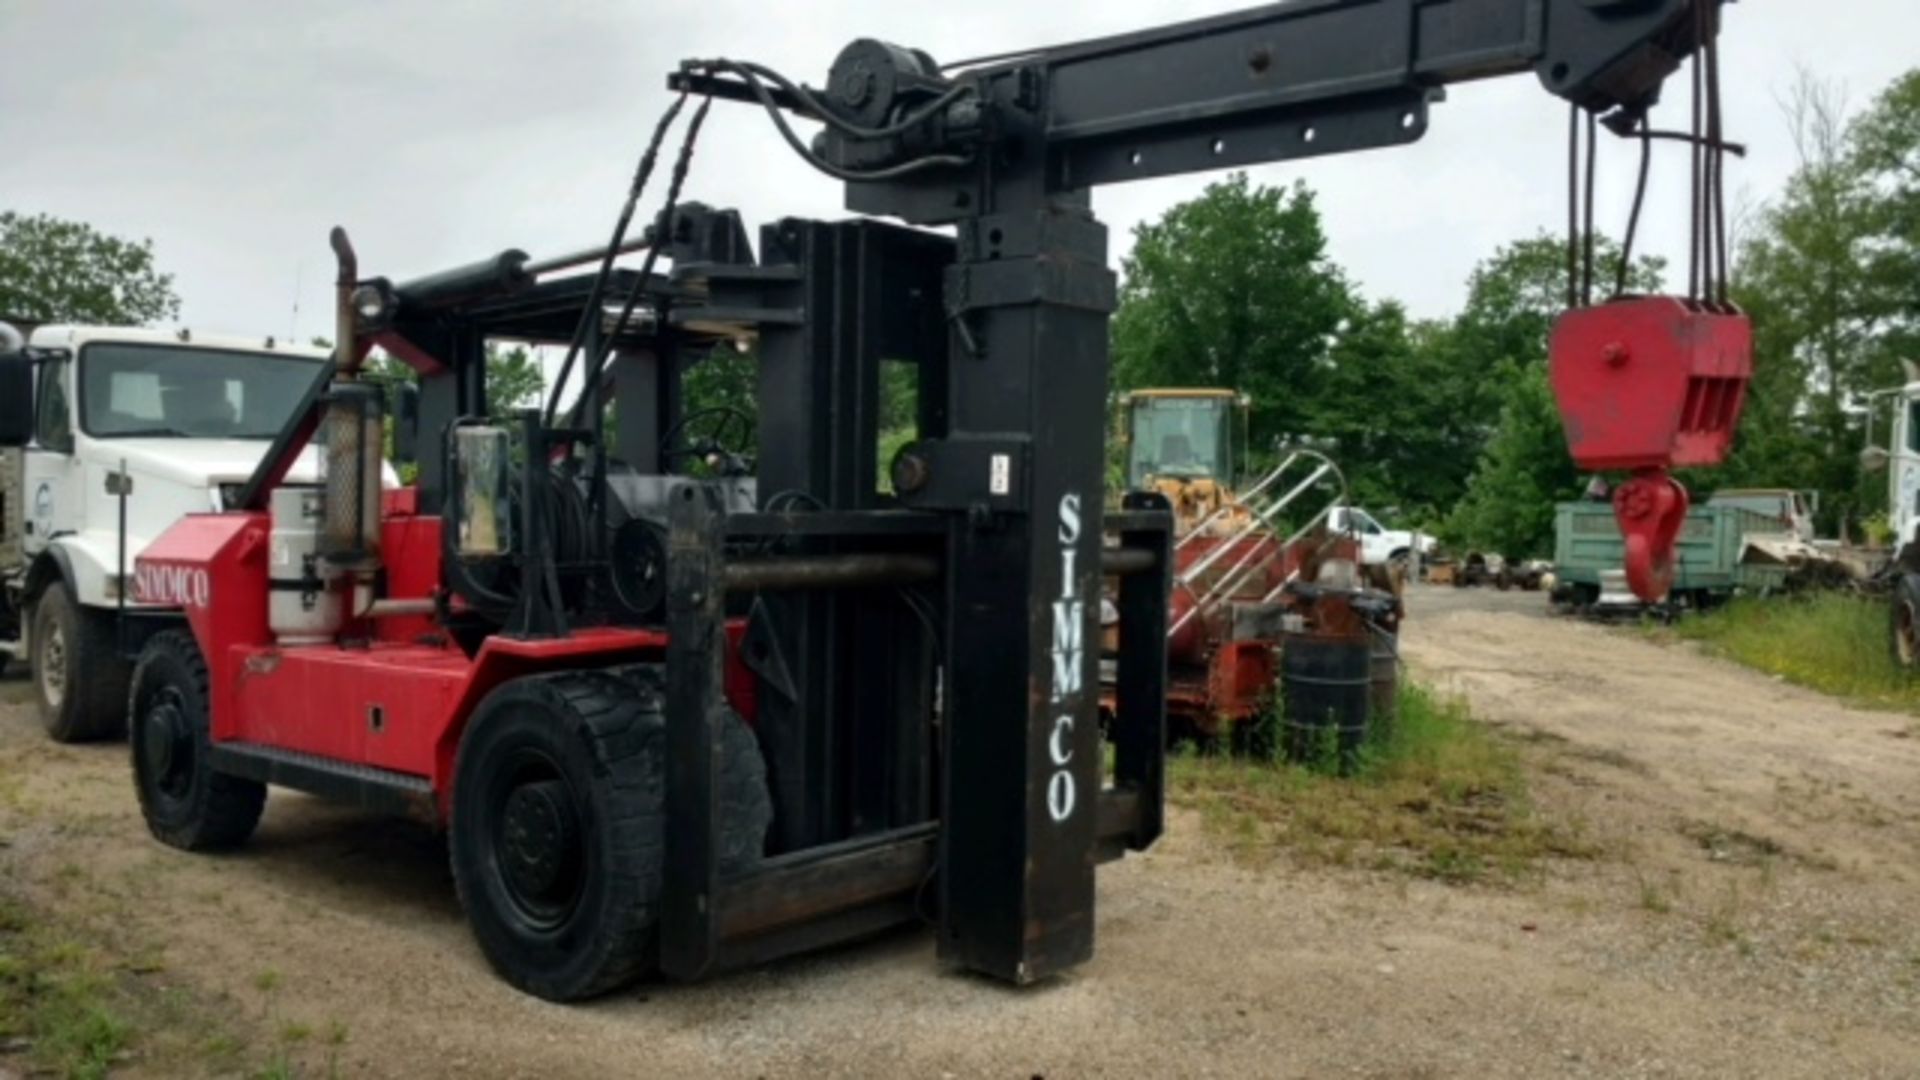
pixel 186 417
pixel 1379 545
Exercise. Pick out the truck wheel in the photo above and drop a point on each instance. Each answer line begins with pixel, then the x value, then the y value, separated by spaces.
pixel 1904 635
pixel 559 827
pixel 77 674
pixel 186 803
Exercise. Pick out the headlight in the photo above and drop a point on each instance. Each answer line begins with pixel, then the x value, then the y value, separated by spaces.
pixel 373 303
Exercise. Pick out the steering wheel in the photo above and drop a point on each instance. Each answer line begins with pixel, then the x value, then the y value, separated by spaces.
pixel 719 436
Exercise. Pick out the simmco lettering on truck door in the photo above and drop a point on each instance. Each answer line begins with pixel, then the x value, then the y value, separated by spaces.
pixel 1069 648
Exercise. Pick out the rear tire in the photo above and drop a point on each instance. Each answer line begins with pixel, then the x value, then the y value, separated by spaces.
pixel 186 803
pixel 78 676
pixel 1903 636
pixel 559 826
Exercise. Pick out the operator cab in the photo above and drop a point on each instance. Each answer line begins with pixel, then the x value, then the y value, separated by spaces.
pixel 1179 435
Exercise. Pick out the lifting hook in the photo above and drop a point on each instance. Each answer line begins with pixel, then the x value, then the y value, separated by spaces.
pixel 1651 507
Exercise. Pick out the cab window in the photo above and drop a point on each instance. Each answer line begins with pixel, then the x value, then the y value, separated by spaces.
pixel 1913 426
pixel 53 424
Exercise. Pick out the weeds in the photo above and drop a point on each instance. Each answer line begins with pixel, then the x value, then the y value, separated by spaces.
pixel 56 999
pixel 78 1001
pixel 1439 797
pixel 1830 642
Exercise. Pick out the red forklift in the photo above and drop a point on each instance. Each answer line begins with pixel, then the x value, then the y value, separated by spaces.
pixel 695 693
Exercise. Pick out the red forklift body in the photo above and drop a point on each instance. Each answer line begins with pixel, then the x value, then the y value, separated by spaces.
pixel 408 690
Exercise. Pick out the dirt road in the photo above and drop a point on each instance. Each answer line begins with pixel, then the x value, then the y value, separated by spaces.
pixel 1753 913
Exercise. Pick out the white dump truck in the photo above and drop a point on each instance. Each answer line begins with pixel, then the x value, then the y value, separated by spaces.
pixel 177 422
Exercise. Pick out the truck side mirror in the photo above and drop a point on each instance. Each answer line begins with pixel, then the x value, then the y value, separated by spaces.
pixel 406 424
pixel 1872 459
pixel 16 399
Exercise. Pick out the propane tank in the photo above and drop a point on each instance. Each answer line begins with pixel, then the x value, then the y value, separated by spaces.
pixel 301 608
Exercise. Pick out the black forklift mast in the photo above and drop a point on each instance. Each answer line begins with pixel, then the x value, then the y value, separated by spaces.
pixel 1014 383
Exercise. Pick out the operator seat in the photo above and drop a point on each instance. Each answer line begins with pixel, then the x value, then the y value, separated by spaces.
pixel 1176 449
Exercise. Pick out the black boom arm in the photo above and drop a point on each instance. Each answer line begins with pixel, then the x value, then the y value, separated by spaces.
pixel 1007 150
pixel 1283 81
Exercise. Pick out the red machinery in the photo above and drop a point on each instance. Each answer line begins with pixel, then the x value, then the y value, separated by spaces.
pixel 554 644
pixel 1647 385
pixel 1230 605
pixel 1650 384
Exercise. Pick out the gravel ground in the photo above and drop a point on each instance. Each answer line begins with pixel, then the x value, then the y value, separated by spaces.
pixel 1752 914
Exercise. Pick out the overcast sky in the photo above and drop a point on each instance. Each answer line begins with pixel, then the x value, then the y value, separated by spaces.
pixel 235 133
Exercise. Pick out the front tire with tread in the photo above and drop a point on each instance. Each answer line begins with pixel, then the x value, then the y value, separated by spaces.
pixel 558 835
pixel 186 803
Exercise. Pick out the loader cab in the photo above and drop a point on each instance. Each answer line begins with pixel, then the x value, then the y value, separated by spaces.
pixel 1180 435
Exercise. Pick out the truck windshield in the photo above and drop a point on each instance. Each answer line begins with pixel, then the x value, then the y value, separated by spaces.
pixel 182 392
pixel 1180 436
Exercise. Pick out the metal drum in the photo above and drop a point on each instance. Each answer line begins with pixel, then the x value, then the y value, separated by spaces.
pixel 1325 683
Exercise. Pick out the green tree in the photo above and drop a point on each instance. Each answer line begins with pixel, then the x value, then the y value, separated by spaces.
pixel 1398 405
pixel 514 380
pixel 1821 274
pixel 1515 296
pixel 1884 149
pixel 723 377
pixel 1235 290
pixel 1523 474
pixel 66 271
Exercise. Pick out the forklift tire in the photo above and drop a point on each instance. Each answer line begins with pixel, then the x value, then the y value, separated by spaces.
pixel 186 803
pixel 78 676
pixel 559 827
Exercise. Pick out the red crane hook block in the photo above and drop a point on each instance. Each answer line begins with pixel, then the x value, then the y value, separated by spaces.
pixel 1650 384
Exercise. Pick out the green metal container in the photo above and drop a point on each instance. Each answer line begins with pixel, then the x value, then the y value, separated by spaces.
pixel 1587 544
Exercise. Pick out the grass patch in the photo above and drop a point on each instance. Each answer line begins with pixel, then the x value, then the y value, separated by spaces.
pixel 1830 642
pixel 57 999
pixel 78 999
pixel 1441 797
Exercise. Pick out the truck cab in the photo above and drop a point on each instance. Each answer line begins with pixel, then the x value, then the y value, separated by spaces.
pixel 178 422
pixel 1791 512
pixel 1379 545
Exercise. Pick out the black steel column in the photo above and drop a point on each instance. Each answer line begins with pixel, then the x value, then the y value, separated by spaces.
pixel 1027 391
pixel 1140 690
pixel 865 292
pixel 696 703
